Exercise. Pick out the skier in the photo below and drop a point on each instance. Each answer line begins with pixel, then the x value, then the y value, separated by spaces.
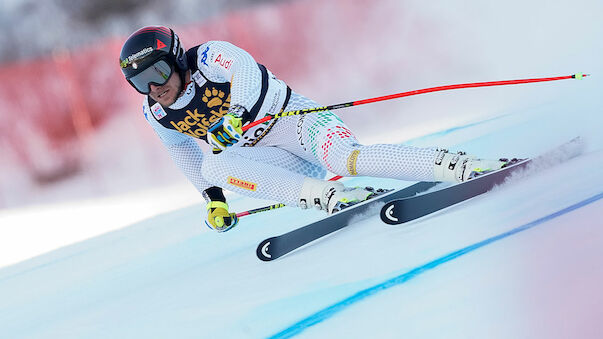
pixel 210 91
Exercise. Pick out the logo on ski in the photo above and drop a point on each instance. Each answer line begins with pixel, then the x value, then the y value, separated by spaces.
pixel 275 247
pixel 389 213
pixel 265 250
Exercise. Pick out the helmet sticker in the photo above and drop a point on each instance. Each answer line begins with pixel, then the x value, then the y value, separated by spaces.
pixel 160 44
pixel 175 46
pixel 138 55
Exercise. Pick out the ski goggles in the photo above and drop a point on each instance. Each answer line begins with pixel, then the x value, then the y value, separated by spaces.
pixel 156 74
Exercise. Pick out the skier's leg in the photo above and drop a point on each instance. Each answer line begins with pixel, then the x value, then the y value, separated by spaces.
pixel 281 158
pixel 260 172
pixel 340 152
pixel 323 138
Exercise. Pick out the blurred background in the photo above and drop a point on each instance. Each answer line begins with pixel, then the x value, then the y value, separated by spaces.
pixel 72 128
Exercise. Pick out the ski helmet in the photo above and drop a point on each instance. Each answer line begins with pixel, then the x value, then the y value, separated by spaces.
pixel 150 56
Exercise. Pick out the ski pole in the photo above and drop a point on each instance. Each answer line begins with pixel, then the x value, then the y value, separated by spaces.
pixel 275 206
pixel 261 209
pixel 410 93
pixel 390 97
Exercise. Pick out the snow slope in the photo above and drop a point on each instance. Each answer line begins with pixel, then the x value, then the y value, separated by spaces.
pixel 523 261
pixel 168 277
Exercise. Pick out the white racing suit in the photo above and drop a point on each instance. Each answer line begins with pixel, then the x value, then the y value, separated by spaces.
pixel 272 160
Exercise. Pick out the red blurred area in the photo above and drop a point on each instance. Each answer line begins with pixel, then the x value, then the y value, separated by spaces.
pixel 54 107
pixel 52 102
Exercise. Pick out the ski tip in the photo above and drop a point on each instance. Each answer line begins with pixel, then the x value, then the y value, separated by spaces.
pixel 388 214
pixel 580 75
pixel 263 251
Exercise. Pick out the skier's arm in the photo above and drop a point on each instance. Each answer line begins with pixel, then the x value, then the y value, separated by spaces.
pixel 184 151
pixel 188 156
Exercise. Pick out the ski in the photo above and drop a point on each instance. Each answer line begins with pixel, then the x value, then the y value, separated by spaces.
pixel 426 203
pixel 275 247
pixel 406 209
pixel 398 211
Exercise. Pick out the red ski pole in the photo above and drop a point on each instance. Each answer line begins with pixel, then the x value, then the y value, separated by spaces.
pixel 410 93
pixel 390 97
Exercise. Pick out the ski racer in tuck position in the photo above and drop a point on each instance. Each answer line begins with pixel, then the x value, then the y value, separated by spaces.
pixel 210 91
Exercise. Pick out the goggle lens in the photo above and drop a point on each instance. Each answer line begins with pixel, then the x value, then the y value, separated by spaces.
pixel 156 74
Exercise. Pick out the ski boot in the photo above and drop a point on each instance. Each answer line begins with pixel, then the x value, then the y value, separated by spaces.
pixel 347 197
pixel 459 167
pixel 333 196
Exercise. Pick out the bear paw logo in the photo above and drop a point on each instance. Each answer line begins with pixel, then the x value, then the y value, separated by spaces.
pixel 213 97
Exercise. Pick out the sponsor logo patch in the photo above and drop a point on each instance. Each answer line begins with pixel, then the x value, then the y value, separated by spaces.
pixel 204 56
pixel 196 124
pixel 242 184
pixel 158 111
pixel 224 62
pixel 352 162
pixel 199 79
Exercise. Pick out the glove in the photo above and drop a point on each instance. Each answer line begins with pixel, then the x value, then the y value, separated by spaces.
pixel 218 217
pixel 225 132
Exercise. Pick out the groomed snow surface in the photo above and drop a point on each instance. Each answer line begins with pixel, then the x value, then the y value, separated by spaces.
pixel 522 261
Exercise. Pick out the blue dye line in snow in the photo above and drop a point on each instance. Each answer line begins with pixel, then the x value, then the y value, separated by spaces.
pixel 328 312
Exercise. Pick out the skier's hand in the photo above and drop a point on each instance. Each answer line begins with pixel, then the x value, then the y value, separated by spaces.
pixel 225 132
pixel 218 217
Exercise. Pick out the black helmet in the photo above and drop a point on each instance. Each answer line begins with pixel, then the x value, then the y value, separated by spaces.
pixel 155 46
